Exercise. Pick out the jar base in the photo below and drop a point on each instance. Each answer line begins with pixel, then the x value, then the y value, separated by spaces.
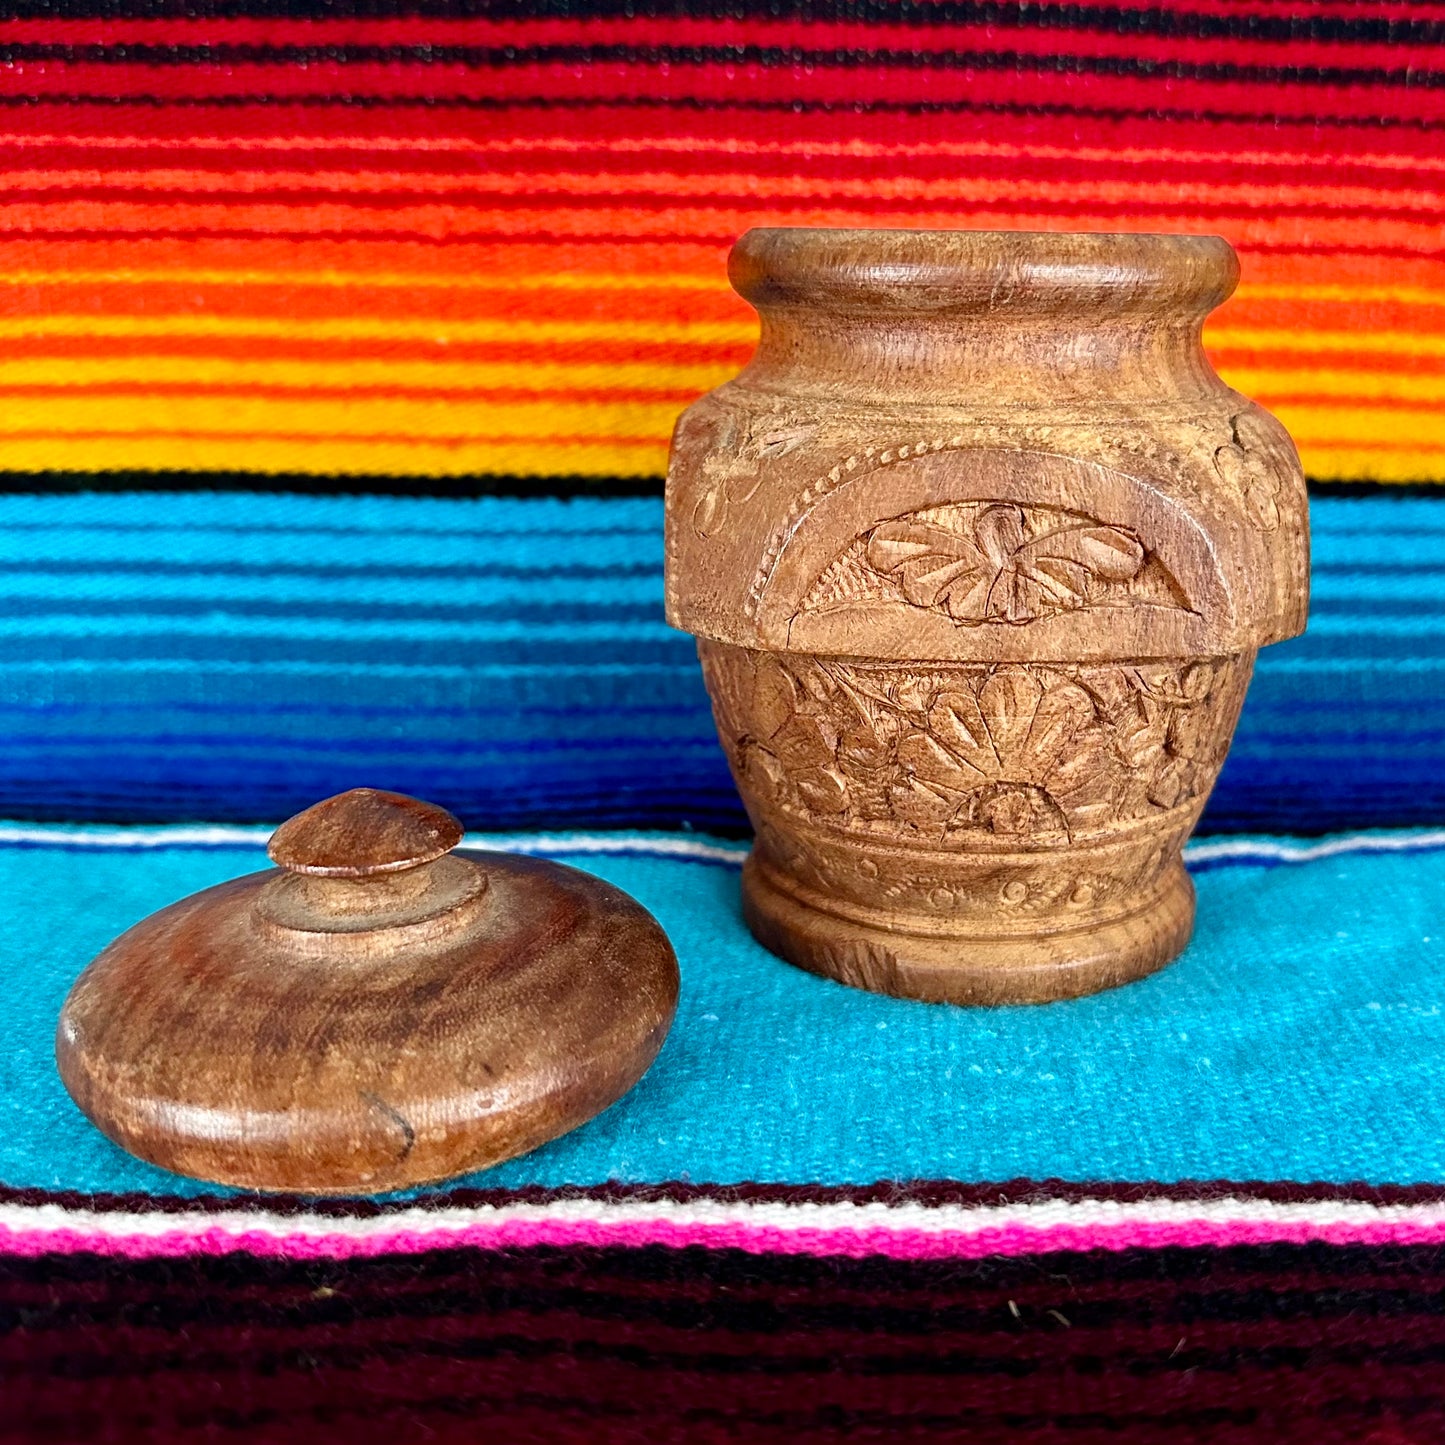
pixel 969 968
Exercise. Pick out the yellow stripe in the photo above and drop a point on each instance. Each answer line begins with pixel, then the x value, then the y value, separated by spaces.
pixel 707 333
pixel 143 369
pixel 1370 386
pixel 356 328
pixel 1348 464
pixel 238 415
pixel 712 284
pixel 600 458
pixel 1398 295
pixel 243 416
pixel 438 280
pixel 1389 342
pixel 250 454
pixel 1316 426
pixel 703 333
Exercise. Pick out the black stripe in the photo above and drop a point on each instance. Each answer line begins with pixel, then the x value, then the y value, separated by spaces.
pixel 1435 491
pixel 1257 24
pixel 960 1362
pixel 480 484
pixel 931 1193
pixel 616 1270
pixel 799 106
pixel 766 56
pixel 1106 1288
pixel 1102 1345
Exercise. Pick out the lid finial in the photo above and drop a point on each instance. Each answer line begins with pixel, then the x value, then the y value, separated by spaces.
pixel 363 832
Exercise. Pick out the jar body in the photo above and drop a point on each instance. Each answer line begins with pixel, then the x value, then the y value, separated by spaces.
pixel 978 591
pixel 1031 817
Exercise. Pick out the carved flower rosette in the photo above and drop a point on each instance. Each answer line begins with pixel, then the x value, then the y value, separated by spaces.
pixel 995 562
pixel 918 769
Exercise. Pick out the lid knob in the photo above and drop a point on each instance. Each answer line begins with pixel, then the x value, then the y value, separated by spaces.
pixel 363 832
pixel 367 860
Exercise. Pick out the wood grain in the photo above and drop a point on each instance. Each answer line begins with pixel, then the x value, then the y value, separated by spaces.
pixel 979 551
pixel 359 1020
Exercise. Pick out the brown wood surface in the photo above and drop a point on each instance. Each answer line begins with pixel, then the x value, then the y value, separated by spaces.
pixel 349 1024
pixel 979 551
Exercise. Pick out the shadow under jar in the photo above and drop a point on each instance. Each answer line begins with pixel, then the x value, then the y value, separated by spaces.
pixel 979 550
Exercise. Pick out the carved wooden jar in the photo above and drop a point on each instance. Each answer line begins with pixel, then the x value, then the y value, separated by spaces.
pixel 979 549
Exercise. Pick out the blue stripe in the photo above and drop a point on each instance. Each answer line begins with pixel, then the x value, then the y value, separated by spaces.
pixel 236 656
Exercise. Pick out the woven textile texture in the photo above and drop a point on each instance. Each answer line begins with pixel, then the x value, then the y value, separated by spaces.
pixel 416 240
pixel 342 340
pixel 476 247
pixel 237 656
pixel 787 1231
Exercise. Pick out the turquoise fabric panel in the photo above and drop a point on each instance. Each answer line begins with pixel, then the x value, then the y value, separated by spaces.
pixel 237 656
pixel 1301 1037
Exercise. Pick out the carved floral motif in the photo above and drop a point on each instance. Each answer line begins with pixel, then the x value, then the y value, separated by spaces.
pixel 1023 751
pixel 1254 463
pixel 995 562
pixel 995 572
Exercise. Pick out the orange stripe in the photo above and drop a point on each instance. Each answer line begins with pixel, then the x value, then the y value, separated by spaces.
pixel 1226 359
pixel 446 223
pixel 636 307
pixel 1383 448
pixel 528 257
pixel 633 306
pixel 726 187
pixel 1349 406
pixel 637 351
pixel 525 257
pixel 688 145
pixel 1361 316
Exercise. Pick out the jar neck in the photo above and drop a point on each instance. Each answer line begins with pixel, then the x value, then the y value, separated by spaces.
pixel 959 317
pixel 891 359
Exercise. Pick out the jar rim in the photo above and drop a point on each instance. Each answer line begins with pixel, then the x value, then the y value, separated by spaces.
pixel 940 272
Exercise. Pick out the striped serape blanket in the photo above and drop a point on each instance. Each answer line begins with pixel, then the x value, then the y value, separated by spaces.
pixel 1203 1207
pixel 342 342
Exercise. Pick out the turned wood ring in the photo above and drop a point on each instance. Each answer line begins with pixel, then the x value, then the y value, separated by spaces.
pixel 376 1012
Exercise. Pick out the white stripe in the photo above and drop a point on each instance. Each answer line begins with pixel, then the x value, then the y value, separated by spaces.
pixel 225 836
pixel 1282 852
pixel 912 1218
pixel 211 835
pixel 603 844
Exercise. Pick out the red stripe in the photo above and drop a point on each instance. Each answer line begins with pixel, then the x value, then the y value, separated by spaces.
pixel 42 238
pixel 464 207
pixel 1407 187
pixel 690 84
pixel 613 122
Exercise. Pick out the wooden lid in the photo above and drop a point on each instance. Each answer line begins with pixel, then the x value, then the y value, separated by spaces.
pixel 377 1012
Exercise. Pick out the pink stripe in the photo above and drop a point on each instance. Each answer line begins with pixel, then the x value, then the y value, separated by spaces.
pixel 1008 1239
